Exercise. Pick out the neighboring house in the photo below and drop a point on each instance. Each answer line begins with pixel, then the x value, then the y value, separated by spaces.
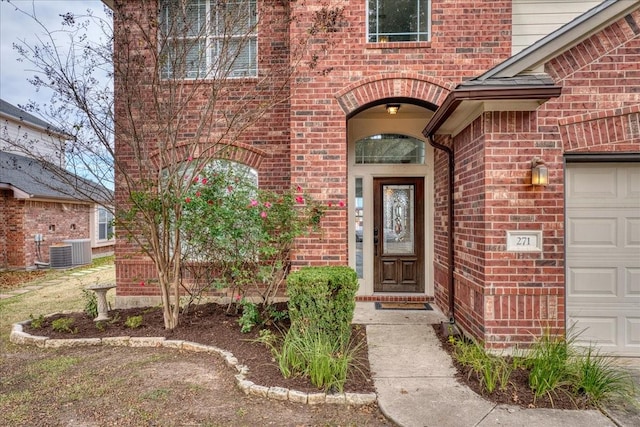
pixel 25 134
pixel 433 123
pixel 40 206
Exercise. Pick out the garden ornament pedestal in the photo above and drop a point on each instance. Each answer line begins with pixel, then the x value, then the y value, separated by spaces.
pixel 101 296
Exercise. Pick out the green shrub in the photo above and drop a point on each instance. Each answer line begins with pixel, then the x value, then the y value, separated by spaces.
pixel 317 356
pixel 555 365
pixel 548 365
pixel 322 301
pixel 275 315
pixel 90 303
pixel 599 379
pixel 492 370
pixel 245 233
pixel 250 316
pixel 133 322
pixel 63 325
pixel 36 322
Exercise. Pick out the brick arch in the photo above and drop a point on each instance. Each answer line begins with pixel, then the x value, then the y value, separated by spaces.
pixel 393 85
pixel 235 151
pixel 616 129
pixel 241 153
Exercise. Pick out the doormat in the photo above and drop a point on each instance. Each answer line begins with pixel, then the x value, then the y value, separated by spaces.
pixel 402 306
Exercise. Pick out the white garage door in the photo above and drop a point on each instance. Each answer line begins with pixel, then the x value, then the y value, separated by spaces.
pixel 603 254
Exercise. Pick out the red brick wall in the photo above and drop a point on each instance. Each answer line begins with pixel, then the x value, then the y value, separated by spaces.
pixel 468 37
pixel 598 109
pixel 12 211
pixel 69 221
pixel 441 226
pixel 470 224
pixel 263 145
pixel 22 219
pixel 305 139
pixel 524 292
pixel 507 298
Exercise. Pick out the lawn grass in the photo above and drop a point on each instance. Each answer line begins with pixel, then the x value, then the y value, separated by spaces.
pixel 60 291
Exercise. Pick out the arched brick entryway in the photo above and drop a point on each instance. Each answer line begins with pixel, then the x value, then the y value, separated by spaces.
pixel 394 85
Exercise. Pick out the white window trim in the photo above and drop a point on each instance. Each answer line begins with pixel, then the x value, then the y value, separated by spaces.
pixel 428 32
pixel 212 39
pixel 99 224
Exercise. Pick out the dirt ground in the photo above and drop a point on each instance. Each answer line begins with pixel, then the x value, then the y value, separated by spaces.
pixel 100 386
pixel 97 386
pixel 209 324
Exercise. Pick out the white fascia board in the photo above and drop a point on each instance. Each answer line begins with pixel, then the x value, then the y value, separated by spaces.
pixel 562 39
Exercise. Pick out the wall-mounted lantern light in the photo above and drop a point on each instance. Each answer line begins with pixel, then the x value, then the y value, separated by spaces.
pixel 539 172
pixel 393 108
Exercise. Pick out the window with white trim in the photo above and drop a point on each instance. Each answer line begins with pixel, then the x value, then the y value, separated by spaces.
pixel 105 224
pixel 398 21
pixel 208 38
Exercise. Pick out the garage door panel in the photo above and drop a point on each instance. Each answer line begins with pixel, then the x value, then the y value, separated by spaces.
pixel 633 185
pixel 633 332
pixel 603 330
pixel 591 232
pixel 632 232
pixel 602 281
pixel 603 255
pixel 588 183
pixel 593 282
pixel 613 334
pixel 632 283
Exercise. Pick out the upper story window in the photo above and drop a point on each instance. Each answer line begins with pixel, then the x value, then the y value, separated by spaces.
pixel 208 38
pixel 390 149
pixel 398 21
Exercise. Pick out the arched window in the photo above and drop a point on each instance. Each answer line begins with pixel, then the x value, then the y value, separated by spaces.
pixel 390 149
pixel 235 169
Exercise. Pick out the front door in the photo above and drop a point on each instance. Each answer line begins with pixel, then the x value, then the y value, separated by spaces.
pixel 398 234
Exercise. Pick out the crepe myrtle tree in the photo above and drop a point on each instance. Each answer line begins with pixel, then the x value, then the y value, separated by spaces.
pixel 172 65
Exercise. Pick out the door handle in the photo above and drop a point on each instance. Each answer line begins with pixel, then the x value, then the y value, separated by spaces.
pixel 375 242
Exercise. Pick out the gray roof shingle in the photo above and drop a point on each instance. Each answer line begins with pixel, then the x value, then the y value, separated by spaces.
pixel 45 180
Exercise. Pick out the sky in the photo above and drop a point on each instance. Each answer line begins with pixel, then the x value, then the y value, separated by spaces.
pixel 14 26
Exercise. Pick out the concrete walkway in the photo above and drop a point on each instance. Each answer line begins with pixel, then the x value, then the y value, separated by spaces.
pixel 416 385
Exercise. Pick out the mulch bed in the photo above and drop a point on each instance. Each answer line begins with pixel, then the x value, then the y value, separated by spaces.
pixel 209 324
pixel 518 391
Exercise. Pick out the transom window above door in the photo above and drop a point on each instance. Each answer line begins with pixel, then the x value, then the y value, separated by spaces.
pixel 398 21
pixel 390 149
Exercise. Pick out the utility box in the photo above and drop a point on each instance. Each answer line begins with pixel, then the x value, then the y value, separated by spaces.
pixel 60 256
pixel 80 251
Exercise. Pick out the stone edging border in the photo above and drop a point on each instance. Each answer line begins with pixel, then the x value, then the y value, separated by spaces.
pixel 19 337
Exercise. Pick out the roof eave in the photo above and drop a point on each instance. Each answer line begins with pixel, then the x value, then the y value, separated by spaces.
pixel 17 193
pixel 562 39
pixel 539 94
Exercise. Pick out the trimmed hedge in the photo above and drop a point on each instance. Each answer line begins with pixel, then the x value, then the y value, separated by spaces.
pixel 322 300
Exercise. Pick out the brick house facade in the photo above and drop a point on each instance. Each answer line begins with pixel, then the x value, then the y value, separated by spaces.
pixel 483 113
